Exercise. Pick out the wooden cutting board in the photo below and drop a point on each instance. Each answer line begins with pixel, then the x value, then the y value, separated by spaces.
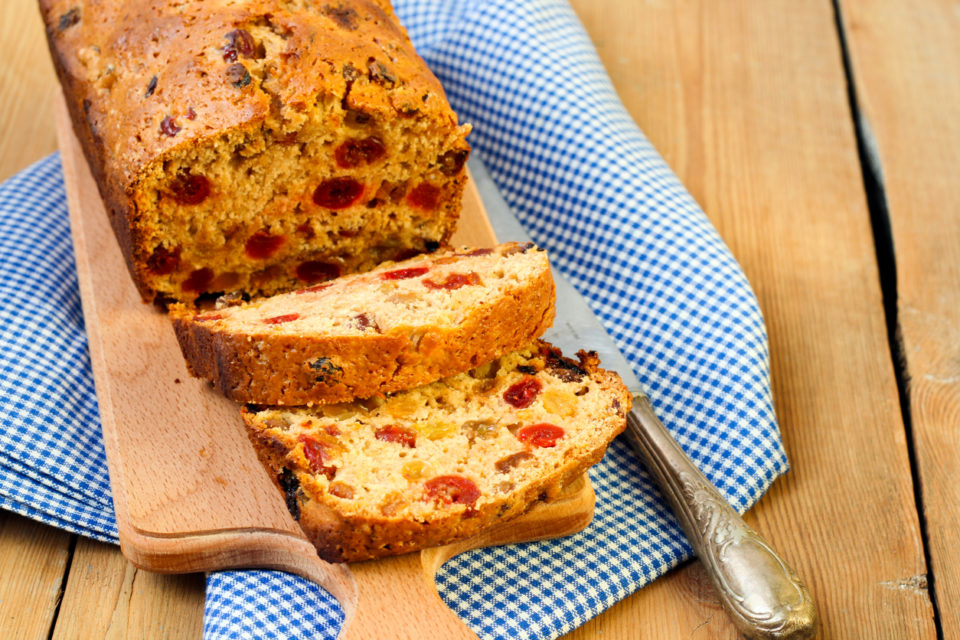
pixel 188 490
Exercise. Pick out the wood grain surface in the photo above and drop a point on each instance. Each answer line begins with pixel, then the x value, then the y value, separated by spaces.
pixel 748 103
pixel 905 59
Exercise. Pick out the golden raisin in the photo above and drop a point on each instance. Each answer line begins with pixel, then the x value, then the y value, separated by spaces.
pixel 341 490
pixel 415 469
pixel 435 430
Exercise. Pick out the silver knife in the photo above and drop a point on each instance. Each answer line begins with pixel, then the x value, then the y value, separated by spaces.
pixel 761 593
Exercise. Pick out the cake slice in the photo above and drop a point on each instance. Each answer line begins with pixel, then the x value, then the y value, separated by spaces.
pixel 399 326
pixel 430 465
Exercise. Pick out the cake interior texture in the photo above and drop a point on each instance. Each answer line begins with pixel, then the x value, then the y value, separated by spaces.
pixel 429 465
pixel 254 146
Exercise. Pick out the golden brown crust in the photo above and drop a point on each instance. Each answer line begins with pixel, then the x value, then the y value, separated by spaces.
pixel 342 536
pixel 126 66
pixel 298 369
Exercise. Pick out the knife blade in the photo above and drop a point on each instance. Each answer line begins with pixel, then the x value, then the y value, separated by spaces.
pixel 761 593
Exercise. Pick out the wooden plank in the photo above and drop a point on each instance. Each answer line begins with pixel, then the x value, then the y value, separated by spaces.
pixel 33 558
pixel 107 597
pixel 27 86
pixel 747 101
pixel 905 59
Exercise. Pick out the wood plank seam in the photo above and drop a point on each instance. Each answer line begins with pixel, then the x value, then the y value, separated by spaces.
pixel 63 584
pixel 873 183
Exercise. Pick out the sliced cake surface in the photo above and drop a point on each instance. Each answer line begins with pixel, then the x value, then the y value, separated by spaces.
pixel 399 326
pixel 252 145
pixel 430 465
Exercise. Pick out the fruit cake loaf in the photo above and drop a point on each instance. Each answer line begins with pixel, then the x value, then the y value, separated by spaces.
pixel 254 145
pixel 427 466
pixel 399 326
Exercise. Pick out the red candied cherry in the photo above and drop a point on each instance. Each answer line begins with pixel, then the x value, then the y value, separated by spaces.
pixel 163 261
pixel 169 126
pixel 289 317
pixel 354 153
pixel 318 456
pixel 424 196
pixel 337 193
pixel 316 270
pixel 316 287
pixel 263 245
pixel 453 281
pixel 403 274
pixel 188 188
pixel 451 490
pixel 398 434
pixel 522 394
pixel 540 435
pixel 198 280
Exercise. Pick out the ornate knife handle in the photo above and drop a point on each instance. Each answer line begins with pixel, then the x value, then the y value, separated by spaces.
pixel 760 592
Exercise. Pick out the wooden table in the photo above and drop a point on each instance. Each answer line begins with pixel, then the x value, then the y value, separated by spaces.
pixel 780 117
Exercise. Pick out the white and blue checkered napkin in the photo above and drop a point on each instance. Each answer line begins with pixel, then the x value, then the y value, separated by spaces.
pixel 589 188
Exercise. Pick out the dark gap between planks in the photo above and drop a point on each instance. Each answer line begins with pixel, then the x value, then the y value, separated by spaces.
pixel 63 585
pixel 886 262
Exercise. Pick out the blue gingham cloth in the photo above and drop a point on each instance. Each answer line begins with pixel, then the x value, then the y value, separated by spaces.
pixel 589 188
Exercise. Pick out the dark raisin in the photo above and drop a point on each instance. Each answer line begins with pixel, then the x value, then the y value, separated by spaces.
pixel 380 73
pixel 431 245
pixel 350 72
pixel 337 193
pixel 505 465
pixel 262 245
pixel 187 188
pixel 198 280
pixel 357 119
pixel 403 274
pixel 238 75
pixel 527 369
pixel 169 126
pixel 69 19
pixel 291 491
pixel 191 114
pixel 453 281
pixel 325 370
pixel 346 17
pixel 151 87
pixel 400 435
pixel 564 368
pixel 239 41
pixel 476 252
pixel 522 394
pixel 520 247
pixel 163 261
pixel 451 162
pixel 582 392
pixel 424 196
pixel 317 270
pixel 354 153
pixel 364 322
